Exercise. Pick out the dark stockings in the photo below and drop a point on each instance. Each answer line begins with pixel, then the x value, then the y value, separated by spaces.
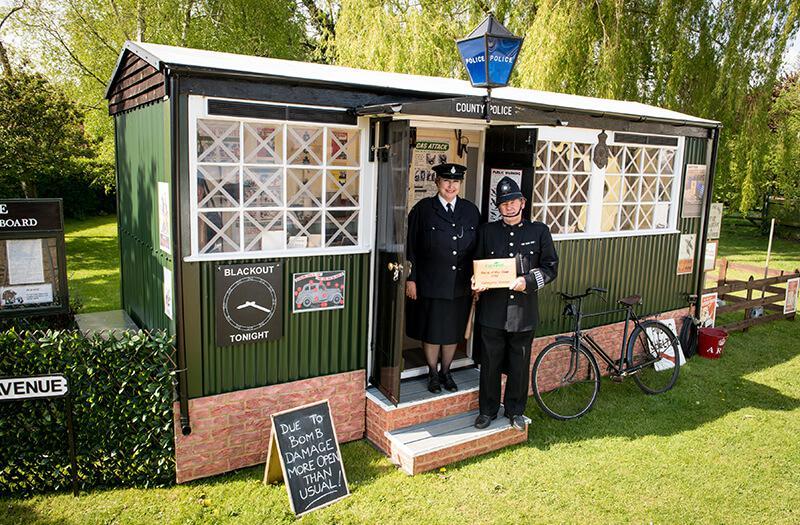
pixel 432 356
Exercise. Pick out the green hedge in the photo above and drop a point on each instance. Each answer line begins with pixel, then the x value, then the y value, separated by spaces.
pixel 122 389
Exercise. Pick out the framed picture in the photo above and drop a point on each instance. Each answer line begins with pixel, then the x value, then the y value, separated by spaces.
pixel 711 255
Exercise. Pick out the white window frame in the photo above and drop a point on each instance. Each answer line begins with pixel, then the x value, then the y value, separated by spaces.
pixel 597 178
pixel 198 110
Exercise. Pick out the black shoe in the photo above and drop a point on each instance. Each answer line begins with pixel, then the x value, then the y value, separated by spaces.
pixel 518 422
pixel 483 421
pixel 433 383
pixel 448 382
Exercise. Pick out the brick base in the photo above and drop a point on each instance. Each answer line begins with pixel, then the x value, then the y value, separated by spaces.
pixel 231 431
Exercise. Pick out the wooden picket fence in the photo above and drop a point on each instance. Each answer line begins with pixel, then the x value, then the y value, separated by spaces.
pixel 762 293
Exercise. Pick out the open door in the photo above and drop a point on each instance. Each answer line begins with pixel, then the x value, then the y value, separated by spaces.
pixel 390 257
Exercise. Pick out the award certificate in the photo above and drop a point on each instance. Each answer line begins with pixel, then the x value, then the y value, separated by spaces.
pixel 495 273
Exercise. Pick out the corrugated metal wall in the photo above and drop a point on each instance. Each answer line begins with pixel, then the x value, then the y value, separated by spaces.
pixel 142 150
pixel 644 265
pixel 313 343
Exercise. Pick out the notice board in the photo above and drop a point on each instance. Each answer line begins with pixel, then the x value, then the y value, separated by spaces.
pixel 304 451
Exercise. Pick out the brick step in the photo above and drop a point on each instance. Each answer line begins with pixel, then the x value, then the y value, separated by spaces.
pixel 417 405
pixel 430 445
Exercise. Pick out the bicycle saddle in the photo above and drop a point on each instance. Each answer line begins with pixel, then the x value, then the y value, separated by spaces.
pixel 631 300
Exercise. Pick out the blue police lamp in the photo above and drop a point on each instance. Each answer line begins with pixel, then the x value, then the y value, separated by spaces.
pixel 489 53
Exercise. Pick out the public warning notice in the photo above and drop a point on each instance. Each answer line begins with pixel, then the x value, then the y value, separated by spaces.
pixel 303 446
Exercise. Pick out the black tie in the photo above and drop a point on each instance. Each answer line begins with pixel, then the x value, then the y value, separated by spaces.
pixel 449 209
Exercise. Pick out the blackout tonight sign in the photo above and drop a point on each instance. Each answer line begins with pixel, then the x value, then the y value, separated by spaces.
pixel 249 303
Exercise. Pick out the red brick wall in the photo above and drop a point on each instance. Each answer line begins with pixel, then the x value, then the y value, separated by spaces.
pixel 231 431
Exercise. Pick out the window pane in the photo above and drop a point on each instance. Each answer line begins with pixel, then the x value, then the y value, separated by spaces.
pixel 263 187
pixel 646 217
pixel 304 229
pixel 665 189
pixel 612 190
pixel 559 156
pixel 263 143
pixel 667 165
pixel 217 141
pixel 218 231
pixel 263 230
pixel 631 189
pixel 304 145
pixel 633 159
pixel 541 156
pixel 661 216
pixel 608 222
pixel 303 188
pixel 537 213
pixel 217 186
pixel 627 217
pixel 341 228
pixel 555 218
pixel 343 147
pixel 558 188
pixel 576 219
pixel 648 189
pixel 580 188
pixel 650 156
pixel 539 188
pixel 341 188
pixel 616 155
pixel 581 157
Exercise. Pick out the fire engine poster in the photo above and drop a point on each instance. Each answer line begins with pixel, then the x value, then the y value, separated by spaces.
pixel 318 291
pixel 427 154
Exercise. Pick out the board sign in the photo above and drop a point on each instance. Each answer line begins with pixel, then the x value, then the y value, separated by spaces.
pixel 318 291
pixel 715 220
pixel 790 301
pixel 44 386
pixel 686 253
pixel 708 310
pixel 304 452
pixel 694 187
pixel 711 255
pixel 249 306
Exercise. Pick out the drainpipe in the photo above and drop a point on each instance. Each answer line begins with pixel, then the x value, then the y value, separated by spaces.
pixel 177 274
pixel 708 196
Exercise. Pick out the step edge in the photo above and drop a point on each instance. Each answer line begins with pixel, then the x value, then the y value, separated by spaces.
pixel 408 404
pixel 461 441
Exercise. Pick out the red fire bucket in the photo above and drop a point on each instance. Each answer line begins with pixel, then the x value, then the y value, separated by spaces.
pixel 710 342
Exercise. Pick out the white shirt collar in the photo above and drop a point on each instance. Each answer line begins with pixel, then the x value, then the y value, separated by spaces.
pixel 444 202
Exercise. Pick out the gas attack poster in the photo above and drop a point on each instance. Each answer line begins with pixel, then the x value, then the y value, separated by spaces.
pixel 427 154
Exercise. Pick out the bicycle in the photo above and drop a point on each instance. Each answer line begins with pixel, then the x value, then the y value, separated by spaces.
pixel 566 376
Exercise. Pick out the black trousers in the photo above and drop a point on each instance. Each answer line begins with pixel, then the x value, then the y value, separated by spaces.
pixel 508 352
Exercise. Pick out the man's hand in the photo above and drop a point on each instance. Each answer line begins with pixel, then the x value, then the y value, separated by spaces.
pixel 474 288
pixel 411 290
pixel 518 284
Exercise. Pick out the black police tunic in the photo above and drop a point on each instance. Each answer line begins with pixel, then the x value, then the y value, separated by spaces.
pixel 440 248
pixel 531 244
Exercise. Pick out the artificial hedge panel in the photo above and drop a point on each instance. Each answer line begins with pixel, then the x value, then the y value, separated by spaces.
pixel 122 390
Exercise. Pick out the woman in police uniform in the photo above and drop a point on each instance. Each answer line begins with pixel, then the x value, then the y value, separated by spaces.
pixel 441 241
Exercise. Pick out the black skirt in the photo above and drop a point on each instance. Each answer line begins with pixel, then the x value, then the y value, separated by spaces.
pixel 437 321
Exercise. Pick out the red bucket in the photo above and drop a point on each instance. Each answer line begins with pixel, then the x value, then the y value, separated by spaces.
pixel 711 342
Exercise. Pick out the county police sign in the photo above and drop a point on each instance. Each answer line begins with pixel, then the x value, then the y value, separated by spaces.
pixel 16 388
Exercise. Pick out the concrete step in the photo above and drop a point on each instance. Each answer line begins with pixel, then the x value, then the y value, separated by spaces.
pixel 433 444
pixel 417 405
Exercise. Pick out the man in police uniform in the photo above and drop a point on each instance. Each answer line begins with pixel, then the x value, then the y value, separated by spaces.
pixel 508 317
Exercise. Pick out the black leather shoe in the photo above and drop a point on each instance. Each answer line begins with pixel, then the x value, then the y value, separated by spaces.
pixel 483 421
pixel 518 422
pixel 433 383
pixel 448 382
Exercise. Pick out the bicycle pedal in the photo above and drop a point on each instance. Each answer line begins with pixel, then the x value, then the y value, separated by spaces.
pixel 616 378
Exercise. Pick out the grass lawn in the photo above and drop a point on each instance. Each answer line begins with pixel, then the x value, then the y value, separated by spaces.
pixel 93 263
pixel 721 447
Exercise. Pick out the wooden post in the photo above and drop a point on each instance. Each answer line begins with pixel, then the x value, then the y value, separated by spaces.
pixel 749 298
pixel 723 275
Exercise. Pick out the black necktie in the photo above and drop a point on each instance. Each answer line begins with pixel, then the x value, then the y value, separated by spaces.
pixel 449 209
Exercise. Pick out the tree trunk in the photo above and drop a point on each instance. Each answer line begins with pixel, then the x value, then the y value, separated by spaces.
pixel 7 71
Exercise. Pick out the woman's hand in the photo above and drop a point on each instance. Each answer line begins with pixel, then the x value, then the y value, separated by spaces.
pixel 518 284
pixel 474 288
pixel 411 290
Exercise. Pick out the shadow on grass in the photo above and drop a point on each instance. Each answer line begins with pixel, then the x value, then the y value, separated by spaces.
pixel 25 513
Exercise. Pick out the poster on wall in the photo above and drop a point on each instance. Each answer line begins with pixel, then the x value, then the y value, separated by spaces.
pixel 790 303
pixel 249 305
pixel 708 310
pixel 314 291
pixel 714 220
pixel 686 253
pixel 496 175
pixel 660 340
pixel 168 292
pixel 693 191
pixel 711 256
pixel 163 218
pixel 427 154
pixel 26 294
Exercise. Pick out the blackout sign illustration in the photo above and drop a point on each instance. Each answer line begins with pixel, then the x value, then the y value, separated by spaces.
pixel 249 303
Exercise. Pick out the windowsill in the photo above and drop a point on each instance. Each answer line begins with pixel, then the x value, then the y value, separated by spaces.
pixel 277 254
pixel 610 235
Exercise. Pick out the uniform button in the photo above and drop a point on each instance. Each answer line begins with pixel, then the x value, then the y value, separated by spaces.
pixel 455 252
pixel 454 225
pixel 454 237
pixel 510 296
pixel 512 234
pixel 511 255
pixel 511 244
pixel 453 267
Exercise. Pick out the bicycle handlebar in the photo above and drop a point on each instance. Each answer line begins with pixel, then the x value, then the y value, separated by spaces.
pixel 588 292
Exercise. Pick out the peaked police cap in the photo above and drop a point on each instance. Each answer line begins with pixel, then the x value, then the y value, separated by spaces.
pixel 448 170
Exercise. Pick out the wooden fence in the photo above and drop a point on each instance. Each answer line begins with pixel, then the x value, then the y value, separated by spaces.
pixel 763 293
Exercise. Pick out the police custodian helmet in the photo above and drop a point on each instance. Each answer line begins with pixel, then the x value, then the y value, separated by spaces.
pixel 448 170
pixel 507 190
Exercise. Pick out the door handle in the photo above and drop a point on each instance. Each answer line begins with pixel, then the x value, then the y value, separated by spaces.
pixel 396 268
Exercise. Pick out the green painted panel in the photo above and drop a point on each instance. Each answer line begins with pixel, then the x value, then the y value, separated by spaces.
pixel 644 265
pixel 142 151
pixel 313 343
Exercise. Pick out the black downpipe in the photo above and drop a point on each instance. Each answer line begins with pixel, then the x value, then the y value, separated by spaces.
pixel 183 389
pixel 708 196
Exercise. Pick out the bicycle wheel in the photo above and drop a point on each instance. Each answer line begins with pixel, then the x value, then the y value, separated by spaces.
pixel 565 380
pixel 653 346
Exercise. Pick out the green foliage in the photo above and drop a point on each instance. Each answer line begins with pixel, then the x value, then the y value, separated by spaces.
pixel 122 388
pixel 784 170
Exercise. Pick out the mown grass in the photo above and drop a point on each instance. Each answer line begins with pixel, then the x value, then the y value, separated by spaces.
pixel 93 263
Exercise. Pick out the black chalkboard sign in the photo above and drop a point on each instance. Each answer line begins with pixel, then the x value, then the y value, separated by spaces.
pixel 303 446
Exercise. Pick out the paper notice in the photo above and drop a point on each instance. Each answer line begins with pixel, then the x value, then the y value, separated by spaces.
pixel 25 264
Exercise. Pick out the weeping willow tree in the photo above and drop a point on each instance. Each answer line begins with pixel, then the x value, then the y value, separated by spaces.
pixel 713 58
